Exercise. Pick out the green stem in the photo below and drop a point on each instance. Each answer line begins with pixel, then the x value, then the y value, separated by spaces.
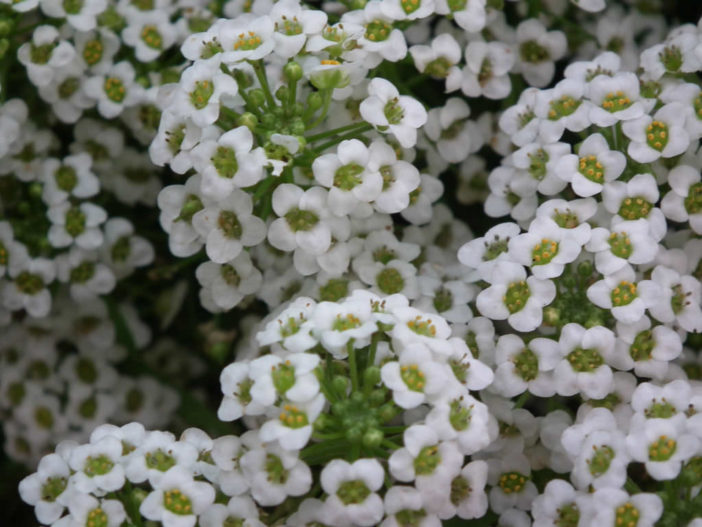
pixel 292 95
pixel 263 81
pixel 631 487
pixel 393 429
pixel 338 140
pixel 352 365
pixel 325 108
pixel 362 127
pixel 521 401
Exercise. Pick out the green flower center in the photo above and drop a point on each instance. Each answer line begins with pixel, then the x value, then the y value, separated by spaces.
pixel 4 254
pixel 83 272
pixel 247 41
pixel 244 393
pixel 495 248
pixel 662 449
pixel 283 376
pixel 568 516
pixel 200 96
pixel 533 52
pixel 301 220
pixel 290 327
pixel 544 252
pixel 410 517
pixel 422 327
pixel 591 168
pixel 679 299
pixel 121 249
pixel 563 107
pixel 600 460
pixel 225 162
pixel 609 401
pixel 98 465
pixel 616 102
pixel 114 89
pixel 624 294
pixel 697 104
pixel 642 347
pixel 620 245
pixel 191 205
pixel 390 281
pixel 410 6
pixel 177 502
pixel 334 290
pixel 427 460
pixel 175 137
pixel 72 7
pixel 443 300
pixel 229 275
pixel 671 57
pixel 537 164
pixel 459 415
pixel 38 370
pixel 585 360
pixel 388 176
pixel 511 482
pixel 456 5
pixel 15 393
pixel 565 219
pixel 635 208
pixel 97 518
pixel 41 54
pixel 66 178
pixel 293 417
pixel 393 111
pixel 459 369
pixel 134 400
pixel 277 473
pixel 693 201
pixel 453 130
pixel 346 322
pixel 68 87
pixel 151 36
pixel 88 408
pixel 44 418
pixel 211 48
pixel 53 488
pixel 486 72
pixel 413 377
pixel 229 224
pixel 526 117
pixel 378 30
pixel 86 371
pixel 657 135
pixel 383 255
pixel 471 340
pixel 29 283
pixel 348 176
pixel 516 296
pixel 460 490
pixel 526 364
pixel 92 52
pixel 289 26
pixel 353 492
pixel 438 68
pixel 627 515
pixel 231 521
pixel 75 222
pixel 662 410
pixel 143 5
pixel 159 460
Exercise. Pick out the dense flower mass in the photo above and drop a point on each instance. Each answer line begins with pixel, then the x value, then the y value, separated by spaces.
pixel 355 263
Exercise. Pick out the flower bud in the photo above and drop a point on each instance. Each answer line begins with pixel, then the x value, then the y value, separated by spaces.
pixel 372 438
pixel 292 71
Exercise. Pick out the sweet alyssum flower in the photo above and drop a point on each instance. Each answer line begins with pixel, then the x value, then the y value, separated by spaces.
pixel 352 491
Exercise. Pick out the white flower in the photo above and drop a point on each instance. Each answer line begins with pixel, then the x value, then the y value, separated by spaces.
pixel 519 121
pixel 229 283
pixel 439 60
pixel 514 297
pixel 97 466
pixel 511 194
pixel 228 226
pixel 380 39
pixel 47 489
pixel 352 492
pixel 352 185
pixel 80 15
pixel 650 348
pixel 291 423
pixel 178 204
pixel 292 327
pixel 150 34
pixel 615 98
pixel 512 486
pixel 293 24
pixel 13 254
pixel 538 49
pixel 629 243
pixel 662 135
pixel 246 38
pixel 593 166
pixel 541 162
pixel 684 201
pixel 88 277
pixel 45 55
pixel 454 134
pixel 156 455
pixel 66 93
pixel 96 48
pixel 680 299
pixel 239 508
pixel 421 199
pixel 201 90
pixel 614 504
pixel 483 253
pixel 386 109
pixel 416 377
pixel 406 502
pixel 177 499
pixel 123 250
pixel 635 200
pixel 399 178
pixel 562 108
pixel 468 15
pixel 586 355
pixel 274 474
pixel 337 324
pixel 115 89
pixel 85 509
pixel 561 503
pixel 620 293
pixel 463 419
pixel 76 224
pixel 228 162
pixel 173 143
pixel 28 289
pixel 523 366
pixel 291 378
pixel 487 69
